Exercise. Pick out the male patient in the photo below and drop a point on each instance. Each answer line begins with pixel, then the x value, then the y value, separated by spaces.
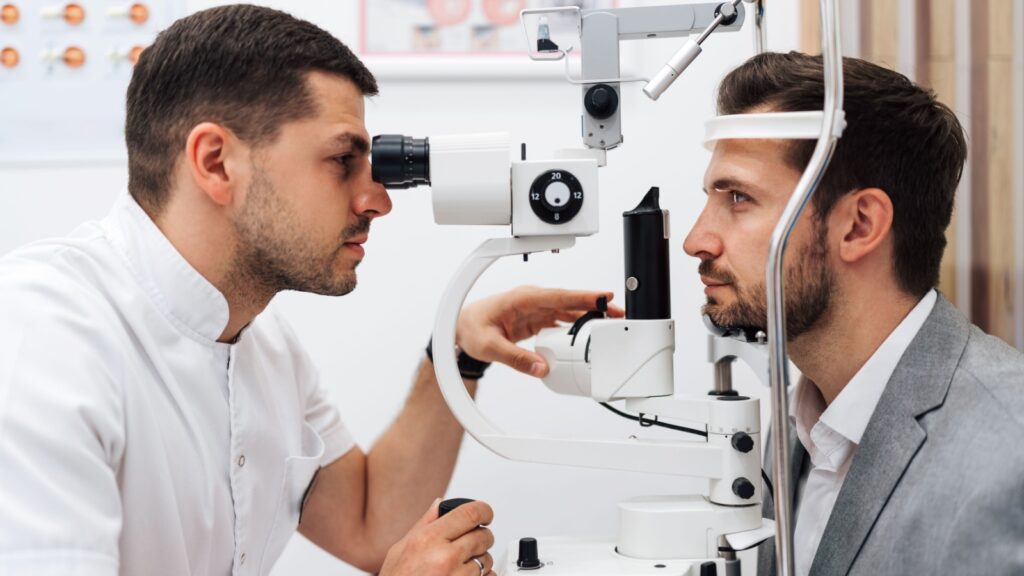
pixel 155 419
pixel 908 418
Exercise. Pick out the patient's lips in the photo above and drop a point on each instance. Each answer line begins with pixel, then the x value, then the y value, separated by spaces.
pixel 356 245
pixel 712 284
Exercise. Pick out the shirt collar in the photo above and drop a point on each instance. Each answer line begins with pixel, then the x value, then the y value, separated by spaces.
pixel 805 407
pixel 828 432
pixel 851 410
pixel 185 297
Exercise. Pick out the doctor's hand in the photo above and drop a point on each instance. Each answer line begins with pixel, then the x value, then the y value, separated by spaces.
pixel 489 329
pixel 453 545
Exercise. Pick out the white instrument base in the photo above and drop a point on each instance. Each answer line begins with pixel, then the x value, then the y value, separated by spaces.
pixel 562 556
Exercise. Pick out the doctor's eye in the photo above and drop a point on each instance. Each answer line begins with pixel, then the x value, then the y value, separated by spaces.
pixel 344 161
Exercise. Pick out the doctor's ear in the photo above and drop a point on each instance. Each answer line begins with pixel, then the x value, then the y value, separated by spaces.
pixel 864 220
pixel 213 156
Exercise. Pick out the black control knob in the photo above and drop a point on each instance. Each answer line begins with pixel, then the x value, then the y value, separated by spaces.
pixel 742 442
pixel 743 488
pixel 601 101
pixel 709 569
pixel 528 559
pixel 451 504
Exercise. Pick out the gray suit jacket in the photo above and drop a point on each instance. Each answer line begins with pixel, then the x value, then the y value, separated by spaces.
pixel 937 483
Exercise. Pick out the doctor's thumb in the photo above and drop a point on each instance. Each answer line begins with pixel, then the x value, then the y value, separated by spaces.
pixel 430 515
pixel 527 362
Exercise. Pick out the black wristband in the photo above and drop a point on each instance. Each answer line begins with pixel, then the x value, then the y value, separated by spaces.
pixel 469 368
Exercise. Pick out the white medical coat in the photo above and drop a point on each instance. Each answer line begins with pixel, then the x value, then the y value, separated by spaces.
pixel 131 441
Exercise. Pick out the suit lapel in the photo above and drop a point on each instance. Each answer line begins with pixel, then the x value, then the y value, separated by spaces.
pixel 893 436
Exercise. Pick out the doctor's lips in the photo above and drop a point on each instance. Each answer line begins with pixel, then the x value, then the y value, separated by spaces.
pixel 354 236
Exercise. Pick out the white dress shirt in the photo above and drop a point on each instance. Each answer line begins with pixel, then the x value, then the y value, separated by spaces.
pixel 131 441
pixel 831 434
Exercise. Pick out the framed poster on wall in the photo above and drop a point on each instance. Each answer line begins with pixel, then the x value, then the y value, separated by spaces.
pixel 454 38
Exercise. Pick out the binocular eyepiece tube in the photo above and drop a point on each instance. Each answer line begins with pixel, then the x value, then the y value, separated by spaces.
pixel 399 162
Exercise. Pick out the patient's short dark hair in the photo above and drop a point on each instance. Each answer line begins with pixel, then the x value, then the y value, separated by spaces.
pixel 898 138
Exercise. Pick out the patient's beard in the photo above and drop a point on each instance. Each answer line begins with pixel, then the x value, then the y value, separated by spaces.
pixel 808 291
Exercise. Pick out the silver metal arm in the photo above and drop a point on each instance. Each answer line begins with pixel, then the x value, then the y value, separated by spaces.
pixel 601 32
pixel 778 360
pixel 688 53
pixel 760 27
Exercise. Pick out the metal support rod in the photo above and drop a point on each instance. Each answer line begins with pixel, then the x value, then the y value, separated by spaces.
pixel 760 28
pixel 732 563
pixel 832 64
pixel 723 375
pixel 716 22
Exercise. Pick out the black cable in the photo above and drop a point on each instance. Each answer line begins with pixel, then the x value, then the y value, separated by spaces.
pixel 647 422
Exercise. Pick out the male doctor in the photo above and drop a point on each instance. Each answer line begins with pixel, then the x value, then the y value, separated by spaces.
pixel 908 419
pixel 155 417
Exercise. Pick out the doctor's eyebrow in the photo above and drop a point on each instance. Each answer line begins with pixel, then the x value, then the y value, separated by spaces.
pixel 354 140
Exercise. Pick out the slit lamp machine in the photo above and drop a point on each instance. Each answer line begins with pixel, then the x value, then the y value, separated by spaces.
pixel 547 204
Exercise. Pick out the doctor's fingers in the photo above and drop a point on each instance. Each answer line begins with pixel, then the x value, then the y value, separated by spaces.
pixel 574 315
pixel 521 359
pixel 560 299
pixel 464 519
pixel 474 545
pixel 478 566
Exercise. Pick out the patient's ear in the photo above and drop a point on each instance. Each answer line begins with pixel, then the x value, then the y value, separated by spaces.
pixel 211 154
pixel 863 220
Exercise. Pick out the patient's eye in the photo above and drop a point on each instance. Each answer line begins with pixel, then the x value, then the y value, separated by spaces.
pixel 738 197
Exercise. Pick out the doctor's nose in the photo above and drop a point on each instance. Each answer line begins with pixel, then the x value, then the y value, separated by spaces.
pixel 373 199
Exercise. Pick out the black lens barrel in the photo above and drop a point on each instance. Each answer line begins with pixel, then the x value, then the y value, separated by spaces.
pixel 646 247
pixel 399 161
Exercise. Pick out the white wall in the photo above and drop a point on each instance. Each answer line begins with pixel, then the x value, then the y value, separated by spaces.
pixel 367 344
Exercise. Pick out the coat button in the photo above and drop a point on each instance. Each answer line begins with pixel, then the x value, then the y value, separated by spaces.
pixel 241 460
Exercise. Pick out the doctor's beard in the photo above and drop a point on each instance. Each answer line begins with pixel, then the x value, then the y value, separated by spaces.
pixel 275 253
pixel 809 286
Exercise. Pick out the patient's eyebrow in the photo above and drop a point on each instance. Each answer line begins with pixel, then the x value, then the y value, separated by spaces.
pixel 733 184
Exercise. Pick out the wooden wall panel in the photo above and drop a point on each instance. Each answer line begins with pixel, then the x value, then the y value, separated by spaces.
pixel 810 26
pixel 1018 163
pixel 942 29
pixel 939 74
pixel 978 59
pixel 883 32
pixel 977 129
pixel 1000 265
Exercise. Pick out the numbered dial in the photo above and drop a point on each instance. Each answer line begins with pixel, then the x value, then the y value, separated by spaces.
pixel 556 196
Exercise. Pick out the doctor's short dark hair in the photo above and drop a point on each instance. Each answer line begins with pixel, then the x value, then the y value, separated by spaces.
pixel 241 66
pixel 898 138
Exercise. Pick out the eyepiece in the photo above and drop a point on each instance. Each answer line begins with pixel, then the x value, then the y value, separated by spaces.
pixel 400 162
